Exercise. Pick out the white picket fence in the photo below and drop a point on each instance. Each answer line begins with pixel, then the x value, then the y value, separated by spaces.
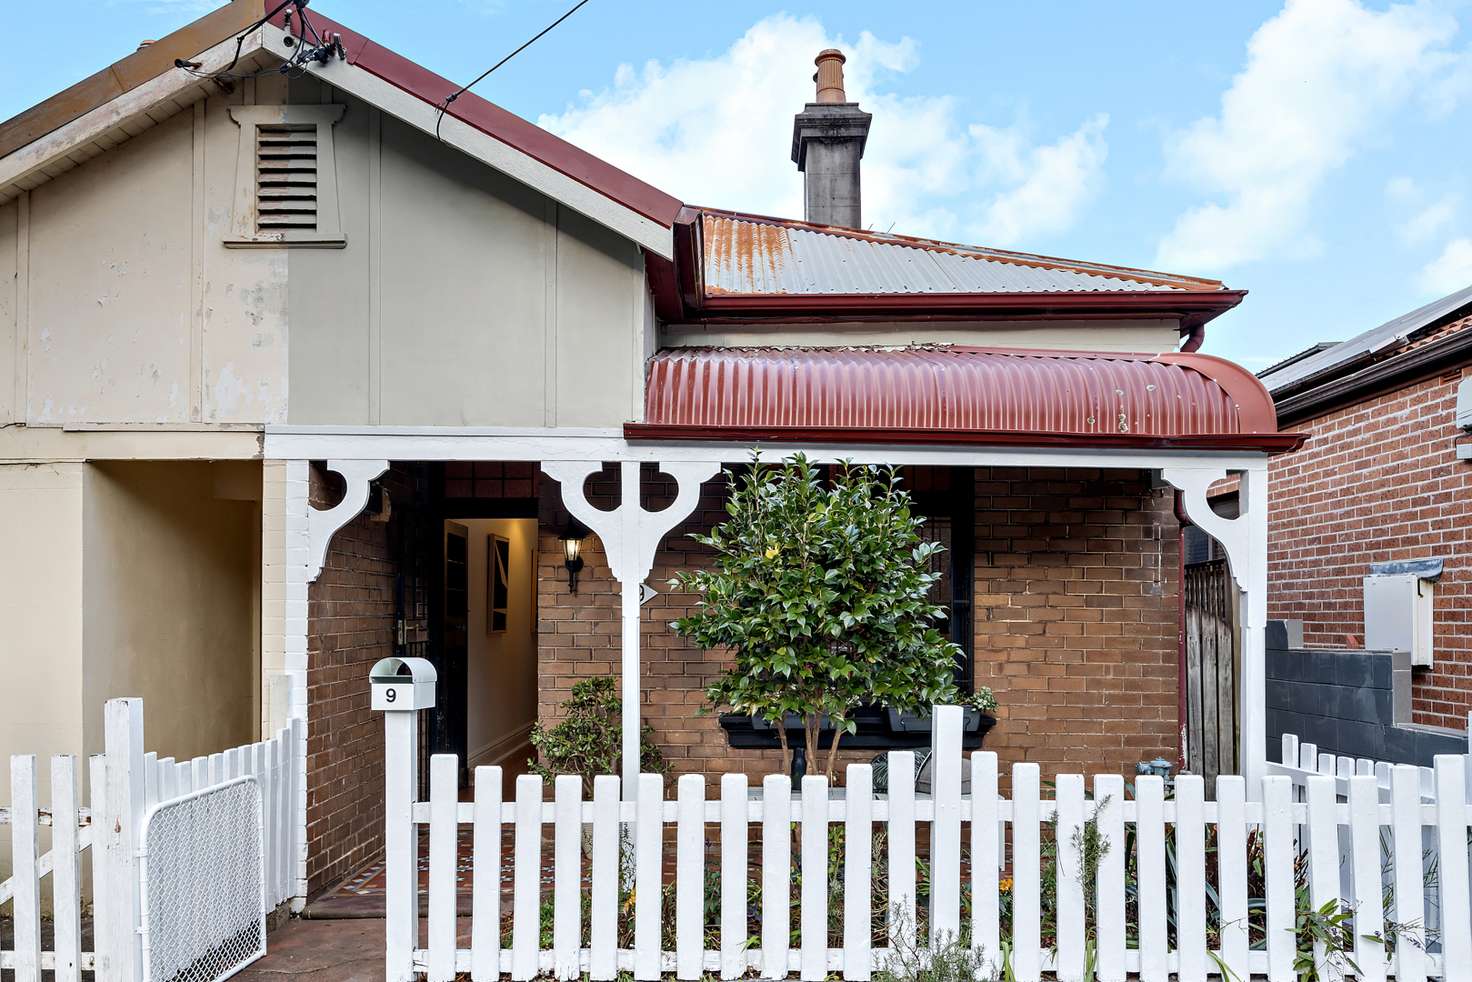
pixel 1298 759
pixel 1168 934
pixel 123 785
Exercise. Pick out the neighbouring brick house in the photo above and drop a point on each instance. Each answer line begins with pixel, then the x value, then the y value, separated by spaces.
pixel 1384 477
pixel 415 348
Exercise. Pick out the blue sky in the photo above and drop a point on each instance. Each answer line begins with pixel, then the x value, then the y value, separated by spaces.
pixel 1317 153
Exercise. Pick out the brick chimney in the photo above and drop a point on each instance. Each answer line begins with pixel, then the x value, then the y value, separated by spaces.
pixel 828 139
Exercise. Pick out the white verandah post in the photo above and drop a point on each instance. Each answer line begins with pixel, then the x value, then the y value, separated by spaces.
pixel 1245 541
pixel 630 589
pixel 1254 746
pixel 630 535
pixel 294 541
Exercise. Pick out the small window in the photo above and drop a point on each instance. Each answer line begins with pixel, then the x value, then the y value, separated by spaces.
pixel 286 179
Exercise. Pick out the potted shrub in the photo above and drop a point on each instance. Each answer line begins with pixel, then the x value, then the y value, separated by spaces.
pixel 820 589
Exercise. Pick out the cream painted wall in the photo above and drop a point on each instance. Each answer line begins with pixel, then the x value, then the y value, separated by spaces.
pixel 461 298
pixel 502 667
pixel 40 605
pixel 1139 335
pixel 109 284
pixel 168 580
pixel 136 311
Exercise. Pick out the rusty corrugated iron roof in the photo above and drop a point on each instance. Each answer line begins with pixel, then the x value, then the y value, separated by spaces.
pixel 950 393
pixel 755 255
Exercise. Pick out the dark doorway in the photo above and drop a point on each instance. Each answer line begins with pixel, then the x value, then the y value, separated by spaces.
pixel 450 707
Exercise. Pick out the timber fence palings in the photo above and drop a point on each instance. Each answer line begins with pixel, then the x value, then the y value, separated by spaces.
pixel 1143 884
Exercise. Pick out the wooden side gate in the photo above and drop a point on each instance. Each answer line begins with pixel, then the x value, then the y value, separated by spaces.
pixel 1212 660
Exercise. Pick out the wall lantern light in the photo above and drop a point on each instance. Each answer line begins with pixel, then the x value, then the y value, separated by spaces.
pixel 572 547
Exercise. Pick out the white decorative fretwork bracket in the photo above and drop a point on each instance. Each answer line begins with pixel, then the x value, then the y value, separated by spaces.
pixel 1246 556
pixel 323 524
pixel 630 533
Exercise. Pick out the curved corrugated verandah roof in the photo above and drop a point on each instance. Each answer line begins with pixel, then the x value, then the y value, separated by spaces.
pixel 957 394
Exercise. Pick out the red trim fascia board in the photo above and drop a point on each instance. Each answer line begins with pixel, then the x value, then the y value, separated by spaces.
pixel 530 139
pixel 689 270
pixel 1159 302
pixel 1256 442
pixel 661 275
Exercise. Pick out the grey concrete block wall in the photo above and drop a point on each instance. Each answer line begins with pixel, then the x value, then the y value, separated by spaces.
pixel 1345 701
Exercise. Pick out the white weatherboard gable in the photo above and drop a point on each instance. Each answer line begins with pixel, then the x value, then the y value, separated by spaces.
pixel 96 131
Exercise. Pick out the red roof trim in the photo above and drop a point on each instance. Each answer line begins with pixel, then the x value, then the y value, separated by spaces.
pixel 1264 442
pixel 495 122
pixel 1087 301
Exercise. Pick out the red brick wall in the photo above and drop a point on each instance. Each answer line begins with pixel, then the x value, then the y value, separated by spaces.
pixel 1078 616
pixel 1378 480
pixel 1077 583
pixel 350 626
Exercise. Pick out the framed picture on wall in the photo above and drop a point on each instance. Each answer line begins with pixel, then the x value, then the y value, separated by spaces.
pixel 498 582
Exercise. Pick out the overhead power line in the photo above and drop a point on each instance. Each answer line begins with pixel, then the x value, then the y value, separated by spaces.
pixel 444 106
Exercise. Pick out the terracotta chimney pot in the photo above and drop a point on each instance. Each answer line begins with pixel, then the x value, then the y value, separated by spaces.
pixel 828 139
pixel 830 76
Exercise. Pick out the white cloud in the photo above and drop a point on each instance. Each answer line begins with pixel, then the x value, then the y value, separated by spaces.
pixel 718 131
pixel 1058 179
pixel 1450 271
pixel 1419 216
pixel 1321 78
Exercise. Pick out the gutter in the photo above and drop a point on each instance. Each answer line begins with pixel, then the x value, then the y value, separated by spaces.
pixel 1194 307
pixel 666 432
pixel 1409 367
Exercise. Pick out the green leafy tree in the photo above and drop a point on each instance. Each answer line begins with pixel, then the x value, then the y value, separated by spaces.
pixel 821 589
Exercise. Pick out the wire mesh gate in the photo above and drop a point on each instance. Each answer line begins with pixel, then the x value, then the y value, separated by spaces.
pixel 203 884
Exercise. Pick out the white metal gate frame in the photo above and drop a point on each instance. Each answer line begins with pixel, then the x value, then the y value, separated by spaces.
pixel 206 934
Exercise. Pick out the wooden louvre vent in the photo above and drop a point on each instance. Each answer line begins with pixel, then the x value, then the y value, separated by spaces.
pixel 286 177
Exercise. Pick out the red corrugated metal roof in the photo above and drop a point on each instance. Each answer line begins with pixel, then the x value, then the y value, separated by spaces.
pixel 950 394
pixel 756 255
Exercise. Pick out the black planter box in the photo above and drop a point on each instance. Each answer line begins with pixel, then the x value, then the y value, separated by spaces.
pixel 973 721
pixel 878 729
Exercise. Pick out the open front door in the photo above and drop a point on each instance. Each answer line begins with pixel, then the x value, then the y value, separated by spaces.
pixel 449 736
